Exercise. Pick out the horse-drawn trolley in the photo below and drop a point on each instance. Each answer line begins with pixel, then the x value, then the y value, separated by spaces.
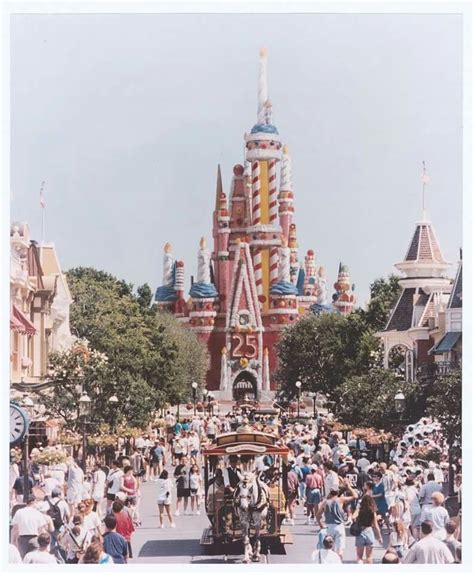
pixel 245 475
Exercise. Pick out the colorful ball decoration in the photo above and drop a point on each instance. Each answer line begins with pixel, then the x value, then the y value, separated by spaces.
pixel 302 406
pixel 199 407
pixel 189 406
pixel 293 406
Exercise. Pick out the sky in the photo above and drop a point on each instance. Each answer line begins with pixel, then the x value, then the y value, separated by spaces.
pixel 125 118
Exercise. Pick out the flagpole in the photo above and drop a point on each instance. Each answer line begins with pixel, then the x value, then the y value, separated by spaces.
pixel 42 205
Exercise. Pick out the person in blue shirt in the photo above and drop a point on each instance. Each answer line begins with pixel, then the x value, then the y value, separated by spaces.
pixel 114 543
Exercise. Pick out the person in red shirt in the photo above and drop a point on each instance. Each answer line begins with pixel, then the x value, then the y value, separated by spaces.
pixel 124 524
pixel 314 488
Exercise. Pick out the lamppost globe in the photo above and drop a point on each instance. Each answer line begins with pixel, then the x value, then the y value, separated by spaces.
pixel 399 402
pixel 84 405
pixel 194 385
pixel 298 384
pixel 113 399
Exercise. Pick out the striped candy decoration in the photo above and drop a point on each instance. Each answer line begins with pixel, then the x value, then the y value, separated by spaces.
pixel 255 193
pixel 273 199
pixel 257 265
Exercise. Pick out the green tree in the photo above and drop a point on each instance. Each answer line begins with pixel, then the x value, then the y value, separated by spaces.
pixel 144 295
pixel 74 371
pixel 152 357
pixel 384 294
pixel 322 350
pixel 445 405
pixel 369 399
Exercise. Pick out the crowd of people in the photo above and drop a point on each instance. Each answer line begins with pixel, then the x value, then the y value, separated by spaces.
pixel 335 483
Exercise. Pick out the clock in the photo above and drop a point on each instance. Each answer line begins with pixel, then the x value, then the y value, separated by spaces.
pixel 18 424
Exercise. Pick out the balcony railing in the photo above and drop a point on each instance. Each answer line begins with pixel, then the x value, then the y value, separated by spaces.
pixel 436 369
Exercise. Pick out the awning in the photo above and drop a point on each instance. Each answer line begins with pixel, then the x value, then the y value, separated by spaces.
pixel 446 343
pixel 19 318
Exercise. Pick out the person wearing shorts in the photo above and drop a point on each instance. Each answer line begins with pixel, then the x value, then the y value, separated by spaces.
pixel 334 516
pixel 314 485
pixel 164 498
pixel 181 474
pixel 366 516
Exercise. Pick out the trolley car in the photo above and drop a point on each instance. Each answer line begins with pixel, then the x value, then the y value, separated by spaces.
pixel 224 535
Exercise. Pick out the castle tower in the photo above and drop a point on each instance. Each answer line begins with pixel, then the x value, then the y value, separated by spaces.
pixel 344 299
pixel 263 151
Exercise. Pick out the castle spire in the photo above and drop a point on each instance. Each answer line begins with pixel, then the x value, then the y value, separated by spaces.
pixel 286 179
pixel 218 187
pixel 262 86
pixel 425 180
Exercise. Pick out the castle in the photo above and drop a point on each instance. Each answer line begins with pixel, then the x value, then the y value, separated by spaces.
pixel 252 285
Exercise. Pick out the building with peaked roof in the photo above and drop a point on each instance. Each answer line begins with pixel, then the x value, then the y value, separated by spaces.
pixel 39 307
pixel 252 285
pixel 447 352
pixel 416 321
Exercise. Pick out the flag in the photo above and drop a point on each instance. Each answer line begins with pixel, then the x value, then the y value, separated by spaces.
pixel 42 201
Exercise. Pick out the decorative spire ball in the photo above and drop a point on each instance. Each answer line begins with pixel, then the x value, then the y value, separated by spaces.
pixel 167 247
pixel 263 53
pixel 202 243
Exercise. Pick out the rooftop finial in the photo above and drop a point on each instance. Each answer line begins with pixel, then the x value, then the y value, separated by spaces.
pixel 262 86
pixel 425 179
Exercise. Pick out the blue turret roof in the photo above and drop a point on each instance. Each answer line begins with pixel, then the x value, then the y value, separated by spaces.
pixel 264 128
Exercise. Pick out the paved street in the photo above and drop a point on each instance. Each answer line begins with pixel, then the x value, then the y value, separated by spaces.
pixel 181 544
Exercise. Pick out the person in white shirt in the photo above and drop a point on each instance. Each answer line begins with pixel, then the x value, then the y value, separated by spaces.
pixel 28 523
pixel 75 484
pixel 363 463
pixel 437 515
pixel 13 555
pixel 42 555
pixel 114 482
pixel 326 554
pixel 49 484
pixel 98 488
pixel 165 486
pixel 428 550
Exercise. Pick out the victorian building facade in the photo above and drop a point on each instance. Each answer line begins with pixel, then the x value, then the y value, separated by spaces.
pixel 417 323
pixel 39 307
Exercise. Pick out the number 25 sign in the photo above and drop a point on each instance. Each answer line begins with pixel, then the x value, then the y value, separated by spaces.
pixel 244 345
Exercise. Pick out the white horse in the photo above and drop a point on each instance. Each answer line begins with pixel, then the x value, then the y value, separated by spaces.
pixel 251 499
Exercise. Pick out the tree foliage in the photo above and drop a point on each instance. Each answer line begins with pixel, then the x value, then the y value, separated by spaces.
pixel 151 358
pixel 322 350
pixel 336 354
pixel 384 294
pixel 369 399
pixel 445 405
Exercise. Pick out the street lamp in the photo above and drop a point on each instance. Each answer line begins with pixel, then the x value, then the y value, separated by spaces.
pixel 84 411
pixel 399 403
pixel 194 385
pixel 314 396
pixel 298 388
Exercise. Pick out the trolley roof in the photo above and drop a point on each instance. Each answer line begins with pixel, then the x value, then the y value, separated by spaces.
pixel 249 442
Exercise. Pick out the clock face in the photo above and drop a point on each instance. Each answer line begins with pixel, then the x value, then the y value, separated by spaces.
pixel 18 424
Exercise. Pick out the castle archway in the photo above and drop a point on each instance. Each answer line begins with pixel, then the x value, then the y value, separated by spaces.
pixel 245 386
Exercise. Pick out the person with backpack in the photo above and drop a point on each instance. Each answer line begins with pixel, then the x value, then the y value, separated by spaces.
pixel 58 511
pixel 74 540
